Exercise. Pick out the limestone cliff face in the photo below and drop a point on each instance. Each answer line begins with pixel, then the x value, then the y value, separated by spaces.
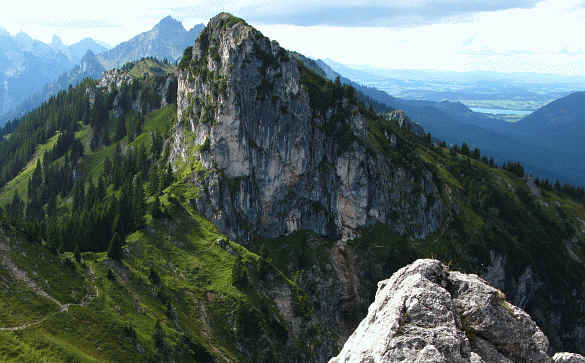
pixel 271 154
pixel 426 313
pixel 129 95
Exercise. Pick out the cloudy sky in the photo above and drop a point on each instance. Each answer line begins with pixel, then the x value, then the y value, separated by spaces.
pixel 544 36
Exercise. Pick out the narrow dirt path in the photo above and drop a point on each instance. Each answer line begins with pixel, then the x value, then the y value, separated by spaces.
pixel 28 325
pixel 22 276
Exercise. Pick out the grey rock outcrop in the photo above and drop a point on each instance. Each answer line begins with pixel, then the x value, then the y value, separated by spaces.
pixel 527 289
pixel 568 358
pixel 426 313
pixel 119 80
pixel 271 156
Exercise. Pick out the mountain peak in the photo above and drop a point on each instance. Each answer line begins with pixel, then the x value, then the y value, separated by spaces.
pixel 56 41
pixel 197 28
pixel 87 40
pixel 566 112
pixel 219 28
pixel 251 109
pixel 170 23
pixel 224 21
pixel 23 36
pixel 89 55
pixel 166 40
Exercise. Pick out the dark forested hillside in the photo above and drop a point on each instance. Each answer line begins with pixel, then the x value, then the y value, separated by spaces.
pixel 56 192
pixel 559 125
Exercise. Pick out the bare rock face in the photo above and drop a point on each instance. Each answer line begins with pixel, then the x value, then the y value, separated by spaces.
pixel 426 313
pixel 120 81
pixel 115 79
pixel 568 358
pixel 271 152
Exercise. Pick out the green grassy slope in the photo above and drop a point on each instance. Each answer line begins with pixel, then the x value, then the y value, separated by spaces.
pixel 116 323
pixel 20 182
pixel 115 306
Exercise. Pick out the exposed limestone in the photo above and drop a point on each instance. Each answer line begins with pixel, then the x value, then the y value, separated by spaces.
pixel 120 81
pixel 115 79
pixel 527 289
pixel 426 313
pixel 274 161
pixel 568 358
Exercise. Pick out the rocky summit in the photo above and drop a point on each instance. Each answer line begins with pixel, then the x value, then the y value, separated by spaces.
pixel 282 150
pixel 427 313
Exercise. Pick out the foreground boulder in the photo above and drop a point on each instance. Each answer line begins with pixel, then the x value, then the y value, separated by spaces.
pixel 426 313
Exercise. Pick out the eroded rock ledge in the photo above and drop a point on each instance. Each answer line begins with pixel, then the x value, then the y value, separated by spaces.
pixel 426 313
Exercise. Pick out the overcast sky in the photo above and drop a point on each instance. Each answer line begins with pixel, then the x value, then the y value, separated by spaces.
pixel 543 36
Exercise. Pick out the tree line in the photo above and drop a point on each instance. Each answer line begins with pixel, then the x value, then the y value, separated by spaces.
pixel 65 205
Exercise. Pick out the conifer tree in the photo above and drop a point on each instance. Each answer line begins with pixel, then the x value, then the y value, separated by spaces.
pixel 156 209
pixel 78 196
pixel 139 203
pixel 239 276
pixel 159 341
pixel 476 154
pixel 52 207
pixel 154 180
pixel 115 248
pixel 465 149
pixel 77 253
pixel 428 138
pixel 111 275
pixel 154 277
pixel 168 177
pixel 53 237
pixel 16 207
pixel 35 180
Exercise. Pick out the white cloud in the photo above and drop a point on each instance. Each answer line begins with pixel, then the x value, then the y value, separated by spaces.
pixel 380 13
pixel 546 37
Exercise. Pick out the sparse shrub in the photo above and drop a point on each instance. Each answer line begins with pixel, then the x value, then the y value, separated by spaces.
pixel 239 273
pixel 154 277
pixel 111 275
pixel 186 60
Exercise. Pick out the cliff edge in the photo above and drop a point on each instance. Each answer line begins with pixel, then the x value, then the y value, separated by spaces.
pixel 426 313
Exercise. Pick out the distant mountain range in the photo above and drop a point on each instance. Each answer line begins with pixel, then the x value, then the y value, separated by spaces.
pixel 560 128
pixel 167 40
pixel 558 116
pixel 549 142
pixel 76 52
pixel 37 71
pixel 89 67
pixel 482 89
pixel 27 64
